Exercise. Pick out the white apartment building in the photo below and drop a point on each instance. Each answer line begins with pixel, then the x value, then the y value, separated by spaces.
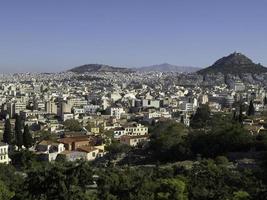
pixel 51 107
pixel 15 108
pixel 151 103
pixel 4 159
pixel 116 112
pixel 187 106
pixel 134 130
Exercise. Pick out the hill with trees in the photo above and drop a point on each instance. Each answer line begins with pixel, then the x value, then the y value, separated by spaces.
pixel 236 64
pixel 98 68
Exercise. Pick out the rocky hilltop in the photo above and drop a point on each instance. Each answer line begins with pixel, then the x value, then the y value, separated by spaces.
pixel 236 64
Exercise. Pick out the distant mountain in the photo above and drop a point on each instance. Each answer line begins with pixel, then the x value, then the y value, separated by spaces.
pixel 236 64
pixel 166 67
pixel 99 68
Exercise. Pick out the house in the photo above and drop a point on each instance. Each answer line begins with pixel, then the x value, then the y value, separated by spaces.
pixel 116 112
pixel 91 152
pixel 4 159
pixel 72 143
pixel 134 130
pixel 133 140
pixel 48 150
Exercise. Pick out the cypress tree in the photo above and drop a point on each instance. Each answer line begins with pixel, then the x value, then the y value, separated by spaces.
pixel 7 136
pixel 27 137
pixel 182 119
pixel 234 116
pixel 18 132
pixel 251 109
pixel 240 117
pixel 265 101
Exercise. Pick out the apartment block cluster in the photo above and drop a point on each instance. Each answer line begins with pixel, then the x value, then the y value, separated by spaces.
pixel 123 104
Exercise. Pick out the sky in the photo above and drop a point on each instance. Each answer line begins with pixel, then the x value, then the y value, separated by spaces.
pixel 55 35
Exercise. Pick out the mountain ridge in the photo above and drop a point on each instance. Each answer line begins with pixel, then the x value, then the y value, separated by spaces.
pixel 99 68
pixel 166 67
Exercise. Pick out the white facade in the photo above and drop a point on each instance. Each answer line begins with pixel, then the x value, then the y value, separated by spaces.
pixel 4 159
pixel 151 103
pixel 116 112
pixel 137 130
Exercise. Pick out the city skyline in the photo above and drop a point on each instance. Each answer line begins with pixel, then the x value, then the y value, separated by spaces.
pixel 55 36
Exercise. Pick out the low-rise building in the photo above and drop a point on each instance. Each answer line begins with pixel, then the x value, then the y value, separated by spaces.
pixel 4 159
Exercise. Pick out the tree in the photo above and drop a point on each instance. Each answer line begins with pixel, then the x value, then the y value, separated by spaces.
pixel 251 109
pixel 27 137
pixel 265 101
pixel 72 125
pixel 5 194
pixel 241 195
pixel 18 132
pixel 7 136
pixel 201 117
pixel 167 141
pixel 240 117
pixel 174 189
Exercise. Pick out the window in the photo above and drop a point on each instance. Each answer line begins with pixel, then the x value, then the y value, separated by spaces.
pixel 93 154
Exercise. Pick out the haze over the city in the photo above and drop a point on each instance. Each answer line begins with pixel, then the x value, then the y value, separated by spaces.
pixel 52 36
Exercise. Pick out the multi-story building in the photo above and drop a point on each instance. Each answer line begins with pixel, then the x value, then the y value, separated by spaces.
pixel 51 107
pixel 4 159
pixel 116 112
pixel 133 130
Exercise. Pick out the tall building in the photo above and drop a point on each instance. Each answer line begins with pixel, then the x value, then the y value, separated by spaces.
pixel 51 107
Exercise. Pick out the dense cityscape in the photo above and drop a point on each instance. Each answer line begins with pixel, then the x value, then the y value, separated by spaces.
pixel 133 100
pixel 94 133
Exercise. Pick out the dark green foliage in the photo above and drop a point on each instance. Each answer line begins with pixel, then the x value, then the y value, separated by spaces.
pixel 116 148
pixel 208 181
pixel 173 188
pixel 221 140
pixel 251 109
pixel 27 137
pixel 240 116
pixel 59 182
pixel 23 159
pixel 5 194
pixel 72 125
pixel 18 132
pixel 265 101
pixel 7 136
pixel 126 184
pixel 201 117
pixel 167 141
pixel 12 179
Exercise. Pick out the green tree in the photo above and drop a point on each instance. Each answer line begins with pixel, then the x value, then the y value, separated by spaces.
pixel 167 141
pixel 18 132
pixel 5 194
pixel 72 125
pixel 265 101
pixel 241 195
pixel 220 140
pixel 7 136
pixel 27 137
pixel 201 117
pixel 241 116
pixel 251 109
pixel 174 189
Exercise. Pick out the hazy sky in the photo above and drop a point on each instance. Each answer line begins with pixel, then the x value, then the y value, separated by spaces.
pixel 53 35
